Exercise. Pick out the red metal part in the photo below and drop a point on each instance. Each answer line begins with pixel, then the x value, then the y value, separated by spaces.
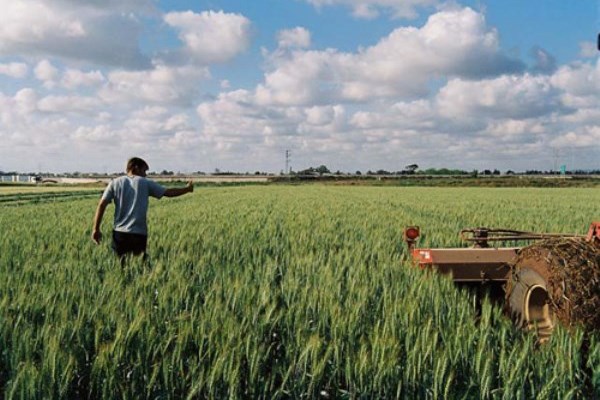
pixel 594 233
pixel 468 264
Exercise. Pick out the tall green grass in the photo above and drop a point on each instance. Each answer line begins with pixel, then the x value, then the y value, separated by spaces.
pixel 277 292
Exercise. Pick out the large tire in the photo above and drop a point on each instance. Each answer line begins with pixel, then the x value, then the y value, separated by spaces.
pixel 528 299
pixel 556 281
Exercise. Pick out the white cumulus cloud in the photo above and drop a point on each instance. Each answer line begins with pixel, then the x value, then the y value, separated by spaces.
pixel 163 84
pixel 70 30
pixel 579 79
pixel 14 70
pixel 298 37
pixel 46 72
pixel 68 104
pixel 26 101
pixel 509 96
pixel 588 137
pixel 211 36
pixel 74 78
pixel 452 43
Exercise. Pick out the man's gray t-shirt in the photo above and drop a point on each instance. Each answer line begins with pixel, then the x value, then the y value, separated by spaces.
pixel 130 195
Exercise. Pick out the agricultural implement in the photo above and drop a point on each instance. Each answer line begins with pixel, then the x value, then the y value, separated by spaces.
pixel 554 279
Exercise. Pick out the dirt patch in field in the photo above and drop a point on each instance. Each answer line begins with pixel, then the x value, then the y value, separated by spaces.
pixel 572 270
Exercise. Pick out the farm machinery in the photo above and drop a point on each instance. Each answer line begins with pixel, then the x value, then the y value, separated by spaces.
pixel 555 279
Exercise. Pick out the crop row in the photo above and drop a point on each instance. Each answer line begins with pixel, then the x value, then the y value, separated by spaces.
pixel 44 197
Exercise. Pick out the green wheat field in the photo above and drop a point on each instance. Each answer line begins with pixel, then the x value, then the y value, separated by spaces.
pixel 276 292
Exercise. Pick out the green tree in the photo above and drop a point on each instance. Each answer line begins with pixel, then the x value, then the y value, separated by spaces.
pixel 322 169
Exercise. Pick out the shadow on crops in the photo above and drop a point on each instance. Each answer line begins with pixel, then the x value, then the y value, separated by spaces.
pixel 492 291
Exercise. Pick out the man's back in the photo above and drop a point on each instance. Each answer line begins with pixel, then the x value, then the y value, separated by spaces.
pixel 130 194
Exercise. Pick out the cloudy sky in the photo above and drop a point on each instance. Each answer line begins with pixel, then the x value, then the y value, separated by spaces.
pixel 353 84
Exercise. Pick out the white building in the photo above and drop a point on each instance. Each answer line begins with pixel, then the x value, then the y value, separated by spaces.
pixel 18 178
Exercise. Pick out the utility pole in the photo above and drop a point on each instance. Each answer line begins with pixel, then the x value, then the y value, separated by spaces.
pixel 288 155
pixel 572 166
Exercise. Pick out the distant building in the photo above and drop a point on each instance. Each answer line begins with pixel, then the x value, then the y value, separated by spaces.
pixel 18 178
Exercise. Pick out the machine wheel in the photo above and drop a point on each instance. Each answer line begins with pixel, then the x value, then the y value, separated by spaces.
pixel 528 299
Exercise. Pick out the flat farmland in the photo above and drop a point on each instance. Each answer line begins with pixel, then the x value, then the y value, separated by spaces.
pixel 29 194
pixel 277 292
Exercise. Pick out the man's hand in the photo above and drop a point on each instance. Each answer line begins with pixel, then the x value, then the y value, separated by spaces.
pixel 174 192
pixel 97 236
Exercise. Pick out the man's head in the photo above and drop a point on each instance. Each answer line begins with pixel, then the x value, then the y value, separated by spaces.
pixel 137 166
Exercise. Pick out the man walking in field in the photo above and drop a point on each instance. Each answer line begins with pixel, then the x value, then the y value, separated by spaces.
pixel 130 194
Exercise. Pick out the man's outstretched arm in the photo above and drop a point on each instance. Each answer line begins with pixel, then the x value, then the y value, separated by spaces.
pixel 96 234
pixel 174 192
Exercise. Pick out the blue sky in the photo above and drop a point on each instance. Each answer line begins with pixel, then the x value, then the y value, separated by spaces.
pixel 353 84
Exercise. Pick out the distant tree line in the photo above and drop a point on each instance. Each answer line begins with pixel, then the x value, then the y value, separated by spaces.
pixel 321 170
pixel 413 170
pixel 574 172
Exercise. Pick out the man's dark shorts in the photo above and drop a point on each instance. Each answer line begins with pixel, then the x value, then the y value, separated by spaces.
pixel 124 243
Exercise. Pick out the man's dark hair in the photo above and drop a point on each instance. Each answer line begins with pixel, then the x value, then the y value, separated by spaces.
pixel 136 163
